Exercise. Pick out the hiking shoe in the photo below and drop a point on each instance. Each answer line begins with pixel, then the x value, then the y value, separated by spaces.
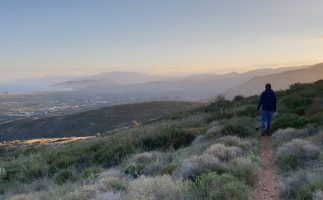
pixel 268 132
pixel 263 132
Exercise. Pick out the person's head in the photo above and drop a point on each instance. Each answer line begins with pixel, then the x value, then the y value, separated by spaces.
pixel 268 86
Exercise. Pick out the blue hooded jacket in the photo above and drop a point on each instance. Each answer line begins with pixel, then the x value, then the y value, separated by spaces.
pixel 267 100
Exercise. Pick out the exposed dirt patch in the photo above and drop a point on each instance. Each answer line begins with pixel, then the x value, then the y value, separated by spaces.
pixel 268 185
pixel 42 141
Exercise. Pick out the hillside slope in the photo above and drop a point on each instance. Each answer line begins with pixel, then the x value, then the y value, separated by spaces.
pixel 279 81
pixel 91 122
pixel 207 153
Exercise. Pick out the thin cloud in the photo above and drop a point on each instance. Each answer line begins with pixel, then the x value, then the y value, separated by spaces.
pixel 321 37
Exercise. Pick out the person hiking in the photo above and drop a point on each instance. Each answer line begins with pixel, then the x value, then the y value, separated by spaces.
pixel 267 102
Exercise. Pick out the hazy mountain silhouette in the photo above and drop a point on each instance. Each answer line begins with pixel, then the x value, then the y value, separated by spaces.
pixel 279 81
pixel 32 84
pixel 109 78
pixel 198 86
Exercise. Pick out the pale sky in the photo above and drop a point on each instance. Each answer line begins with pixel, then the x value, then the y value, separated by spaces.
pixel 80 37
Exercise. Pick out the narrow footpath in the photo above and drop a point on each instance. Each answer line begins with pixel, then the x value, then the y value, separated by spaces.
pixel 268 184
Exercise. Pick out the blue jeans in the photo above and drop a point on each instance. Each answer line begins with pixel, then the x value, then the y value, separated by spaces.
pixel 266 117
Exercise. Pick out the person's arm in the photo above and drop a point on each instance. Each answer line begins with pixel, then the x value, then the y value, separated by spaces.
pixel 260 101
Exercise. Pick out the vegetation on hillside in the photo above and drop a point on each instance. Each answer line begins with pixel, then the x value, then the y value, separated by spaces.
pixel 206 153
pixel 299 141
pixel 92 122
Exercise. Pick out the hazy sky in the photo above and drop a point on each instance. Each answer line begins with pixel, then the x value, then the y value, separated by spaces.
pixel 42 37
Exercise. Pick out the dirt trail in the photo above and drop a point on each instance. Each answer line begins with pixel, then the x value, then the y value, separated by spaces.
pixel 268 185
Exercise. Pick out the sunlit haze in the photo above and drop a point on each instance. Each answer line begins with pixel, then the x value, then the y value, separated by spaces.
pixel 166 37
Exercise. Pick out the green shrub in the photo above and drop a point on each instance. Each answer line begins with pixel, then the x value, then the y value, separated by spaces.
pixel 25 168
pixel 214 130
pixel 296 153
pixel 286 135
pixel 63 160
pixel 91 172
pixel 301 110
pixel 195 166
pixel 243 127
pixel 116 151
pixel 244 170
pixel 288 121
pixel 303 185
pixel 238 98
pixel 168 138
pixel 3 172
pixel 316 119
pixel 112 180
pixel 249 111
pixel 169 168
pixel 133 170
pixel 65 175
pixel 218 187
pixel 147 163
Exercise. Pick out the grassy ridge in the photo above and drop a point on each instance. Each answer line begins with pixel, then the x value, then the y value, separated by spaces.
pixel 207 153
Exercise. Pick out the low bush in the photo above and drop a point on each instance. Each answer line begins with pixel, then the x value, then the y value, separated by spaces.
pixel 249 111
pixel 62 160
pixel 147 163
pixel 224 153
pixel 169 169
pixel 245 170
pixel 215 130
pixel 316 119
pixel 247 145
pixel 301 110
pixel 25 168
pixel 238 98
pixel 111 180
pixel 288 121
pixel 84 192
pixel 243 127
pixel 296 153
pixel 64 175
pixel 119 148
pixel 91 172
pixel 212 186
pixel 318 195
pixel 162 187
pixel 195 166
pixel 286 135
pixel 303 185
pixel 168 138
pixel 109 195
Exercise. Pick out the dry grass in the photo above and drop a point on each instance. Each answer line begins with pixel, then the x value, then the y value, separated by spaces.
pixel 286 135
pixel 296 153
pixel 193 167
pixel 224 153
pixel 156 188
pixel 318 195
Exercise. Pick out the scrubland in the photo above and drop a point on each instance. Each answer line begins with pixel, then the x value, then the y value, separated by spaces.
pixel 211 152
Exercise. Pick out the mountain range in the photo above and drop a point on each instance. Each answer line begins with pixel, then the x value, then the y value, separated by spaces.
pixel 134 85
pixel 198 86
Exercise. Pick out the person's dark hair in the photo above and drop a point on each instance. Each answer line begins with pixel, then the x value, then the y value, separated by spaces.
pixel 268 86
